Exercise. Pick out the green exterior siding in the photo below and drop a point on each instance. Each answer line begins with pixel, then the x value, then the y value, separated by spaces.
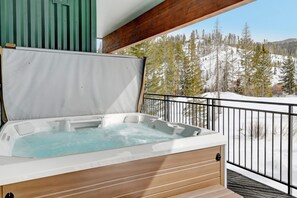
pixel 50 24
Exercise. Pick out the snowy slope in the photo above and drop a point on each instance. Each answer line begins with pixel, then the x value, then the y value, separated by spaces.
pixel 230 95
pixel 209 64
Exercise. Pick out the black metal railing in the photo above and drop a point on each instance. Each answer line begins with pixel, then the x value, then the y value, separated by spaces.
pixel 260 134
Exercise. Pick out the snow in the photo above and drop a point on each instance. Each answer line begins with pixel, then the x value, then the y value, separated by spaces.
pixel 209 64
pixel 230 95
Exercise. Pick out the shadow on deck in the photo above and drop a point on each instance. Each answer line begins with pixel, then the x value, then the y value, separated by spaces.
pixel 249 188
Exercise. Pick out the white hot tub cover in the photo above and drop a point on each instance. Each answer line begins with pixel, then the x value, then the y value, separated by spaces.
pixel 46 83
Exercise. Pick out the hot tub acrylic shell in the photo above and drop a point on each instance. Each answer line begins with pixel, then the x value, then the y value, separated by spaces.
pixel 15 130
pixel 156 169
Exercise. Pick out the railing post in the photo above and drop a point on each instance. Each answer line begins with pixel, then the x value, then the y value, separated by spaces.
pixel 166 108
pixel 213 102
pixel 290 149
pixel 208 113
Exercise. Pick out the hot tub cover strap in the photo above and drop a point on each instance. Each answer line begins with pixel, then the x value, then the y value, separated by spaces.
pixel 47 83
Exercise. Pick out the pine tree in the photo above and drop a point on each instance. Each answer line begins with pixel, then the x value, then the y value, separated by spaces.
pixel 171 73
pixel 139 50
pixel 193 81
pixel 246 53
pixel 227 71
pixel 217 45
pixel 154 69
pixel 288 75
pixel 261 72
pixel 153 51
pixel 192 78
pixel 180 59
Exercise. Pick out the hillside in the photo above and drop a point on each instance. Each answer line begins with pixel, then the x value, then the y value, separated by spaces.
pixel 181 65
pixel 232 55
pixel 288 46
pixel 291 42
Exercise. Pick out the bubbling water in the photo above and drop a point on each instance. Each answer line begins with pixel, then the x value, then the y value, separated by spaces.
pixel 60 143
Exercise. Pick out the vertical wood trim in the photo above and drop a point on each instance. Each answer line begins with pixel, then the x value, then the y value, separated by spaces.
pixel 76 26
pixel 18 17
pixel 39 25
pixel 71 25
pixel 53 28
pixel 93 28
pixel 25 25
pixel 5 27
pixel 64 30
pixel 83 25
pixel 59 26
pixel 88 25
pixel 1 28
pixel 50 25
pixel 46 24
pixel 32 24
pixel 223 172
pixel 11 22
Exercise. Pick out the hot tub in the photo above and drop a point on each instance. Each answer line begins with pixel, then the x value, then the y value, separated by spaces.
pixel 113 155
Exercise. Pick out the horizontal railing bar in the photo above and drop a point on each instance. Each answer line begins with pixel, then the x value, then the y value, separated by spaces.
pixel 238 108
pixel 194 103
pixel 223 99
pixel 256 110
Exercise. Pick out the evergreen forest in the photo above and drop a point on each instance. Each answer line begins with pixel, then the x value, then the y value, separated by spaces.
pixel 210 62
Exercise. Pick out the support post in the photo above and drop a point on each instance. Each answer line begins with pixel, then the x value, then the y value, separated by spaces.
pixel 166 109
pixel 208 113
pixel 290 148
pixel 213 103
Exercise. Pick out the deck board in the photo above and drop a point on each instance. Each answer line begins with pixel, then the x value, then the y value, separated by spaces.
pixel 249 188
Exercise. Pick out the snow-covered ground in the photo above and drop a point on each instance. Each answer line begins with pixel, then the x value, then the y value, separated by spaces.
pixel 229 95
pixel 257 140
pixel 231 55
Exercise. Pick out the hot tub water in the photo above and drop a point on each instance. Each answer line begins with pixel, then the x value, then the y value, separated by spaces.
pixel 60 143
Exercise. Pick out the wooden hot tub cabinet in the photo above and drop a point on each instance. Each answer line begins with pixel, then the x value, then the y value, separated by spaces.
pixel 152 177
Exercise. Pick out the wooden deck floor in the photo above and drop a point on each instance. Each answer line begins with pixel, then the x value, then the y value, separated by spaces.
pixel 249 188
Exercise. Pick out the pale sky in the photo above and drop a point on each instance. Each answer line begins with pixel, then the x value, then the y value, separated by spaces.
pixel 273 20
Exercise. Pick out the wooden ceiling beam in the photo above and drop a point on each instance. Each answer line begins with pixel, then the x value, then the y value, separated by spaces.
pixel 165 17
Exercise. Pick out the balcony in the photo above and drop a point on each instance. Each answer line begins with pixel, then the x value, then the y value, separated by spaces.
pixel 261 138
